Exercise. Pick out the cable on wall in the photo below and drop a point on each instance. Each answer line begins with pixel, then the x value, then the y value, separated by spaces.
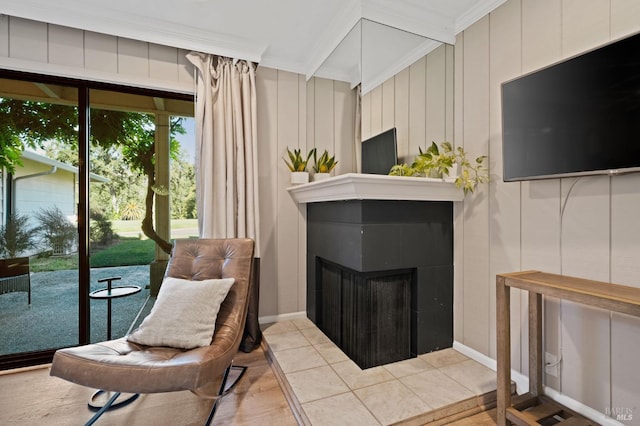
pixel 558 362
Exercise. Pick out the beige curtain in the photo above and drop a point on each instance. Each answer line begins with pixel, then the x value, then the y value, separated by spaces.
pixel 226 148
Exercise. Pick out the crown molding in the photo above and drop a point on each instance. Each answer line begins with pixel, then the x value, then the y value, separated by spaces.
pixel 410 17
pixel 478 11
pixel 137 27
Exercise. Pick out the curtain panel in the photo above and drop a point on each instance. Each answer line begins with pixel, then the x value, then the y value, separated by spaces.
pixel 227 161
pixel 226 148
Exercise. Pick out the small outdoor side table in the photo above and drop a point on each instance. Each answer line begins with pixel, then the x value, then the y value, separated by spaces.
pixel 111 293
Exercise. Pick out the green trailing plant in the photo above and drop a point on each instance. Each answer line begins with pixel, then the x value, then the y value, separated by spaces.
pixel 325 163
pixel 16 237
pixel 296 162
pixel 437 162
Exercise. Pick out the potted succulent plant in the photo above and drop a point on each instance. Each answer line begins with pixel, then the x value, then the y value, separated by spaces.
pixel 297 164
pixel 443 162
pixel 323 165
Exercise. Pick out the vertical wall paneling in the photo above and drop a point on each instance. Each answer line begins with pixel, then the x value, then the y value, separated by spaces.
pixel 365 116
pixel 269 161
pixel 324 117
pixel 185 69
pixel 504 205
pixel 101 52
pixel 510 226
pixel 163 62
pixel 541 33
pixel 344 111
pixel 585 253
pixel 417 103
pixel 477 281
pixel 540 205
pixel 449 92
pixel 66 46
pixel 293 113
pixel 301 279
pixel 133 57
pixel 311 112
pixel 4 35
pixel 625 269
pixel 435 99
pixel 287 210
pixel 585 236
pixel 625 256
pixel 401 108
pixel 376 111
pixel 624 17
pixel 585 25
pixel 52 49
pixel 458 208
pixel 388 105
pixel 28 40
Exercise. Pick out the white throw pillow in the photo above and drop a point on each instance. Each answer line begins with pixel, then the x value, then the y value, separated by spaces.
pixel 184 315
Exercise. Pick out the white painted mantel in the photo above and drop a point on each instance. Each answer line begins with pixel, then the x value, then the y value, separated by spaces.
pixel 356 186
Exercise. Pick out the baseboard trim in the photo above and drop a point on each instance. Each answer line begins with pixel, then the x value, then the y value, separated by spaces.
pixel 268 319
pixel 522 386
pixel 580 408
pixel 521 381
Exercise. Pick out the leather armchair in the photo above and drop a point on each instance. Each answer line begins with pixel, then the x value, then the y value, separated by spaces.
pixel 122 366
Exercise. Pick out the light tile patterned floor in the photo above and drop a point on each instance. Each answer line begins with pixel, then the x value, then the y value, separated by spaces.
pixel 333 390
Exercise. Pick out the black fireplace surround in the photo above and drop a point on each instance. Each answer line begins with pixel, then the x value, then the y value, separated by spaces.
pixel 380 277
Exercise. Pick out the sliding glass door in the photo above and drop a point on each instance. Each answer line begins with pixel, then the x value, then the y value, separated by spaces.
pixel 39 297
pixel 83 169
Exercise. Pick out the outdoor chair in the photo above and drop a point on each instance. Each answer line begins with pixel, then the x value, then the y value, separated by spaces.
pixel 14 276
pixel 127 366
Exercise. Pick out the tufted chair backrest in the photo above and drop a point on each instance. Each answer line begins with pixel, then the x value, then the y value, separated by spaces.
pixel 201 259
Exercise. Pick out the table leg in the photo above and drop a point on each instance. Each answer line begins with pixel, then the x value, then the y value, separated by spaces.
pixel 535 343
pixel 503 330
pixel 109 319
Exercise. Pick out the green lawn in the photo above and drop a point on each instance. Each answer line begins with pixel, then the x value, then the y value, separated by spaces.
pixel 129 250
pixel 125 253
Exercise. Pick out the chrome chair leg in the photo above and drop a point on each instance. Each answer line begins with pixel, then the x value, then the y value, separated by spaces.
pixel 224 390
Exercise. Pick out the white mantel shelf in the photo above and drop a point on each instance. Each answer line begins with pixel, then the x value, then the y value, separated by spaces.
pixel 356 186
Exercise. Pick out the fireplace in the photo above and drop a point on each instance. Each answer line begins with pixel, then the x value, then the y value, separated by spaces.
pixel 380 276
pixel 367 314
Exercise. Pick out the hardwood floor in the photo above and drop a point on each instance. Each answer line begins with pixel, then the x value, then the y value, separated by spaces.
pixel 33 397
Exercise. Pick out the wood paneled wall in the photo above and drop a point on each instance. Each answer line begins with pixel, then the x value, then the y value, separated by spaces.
pixel 418 101
pixel 294 113
pixel 518 226
pixel 39 47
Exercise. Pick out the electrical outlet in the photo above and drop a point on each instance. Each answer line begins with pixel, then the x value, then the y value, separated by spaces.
pixel 551 364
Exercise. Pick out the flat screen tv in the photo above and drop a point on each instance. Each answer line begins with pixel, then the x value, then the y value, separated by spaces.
pixel 380 153
pixel 578 117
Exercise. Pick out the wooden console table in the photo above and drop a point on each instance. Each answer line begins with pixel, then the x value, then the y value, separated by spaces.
pixel 532 407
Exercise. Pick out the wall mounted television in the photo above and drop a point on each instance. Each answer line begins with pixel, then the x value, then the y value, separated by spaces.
pixel 578 117
pixel 380 153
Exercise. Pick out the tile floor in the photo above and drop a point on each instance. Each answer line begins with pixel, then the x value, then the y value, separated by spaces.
pixel 332 389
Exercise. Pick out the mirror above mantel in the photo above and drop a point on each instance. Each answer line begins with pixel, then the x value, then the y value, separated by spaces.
pixel 373 52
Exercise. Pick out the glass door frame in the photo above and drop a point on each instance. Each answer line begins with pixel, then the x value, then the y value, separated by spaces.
pixel 84 131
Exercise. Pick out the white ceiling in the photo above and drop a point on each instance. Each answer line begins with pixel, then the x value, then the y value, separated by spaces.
pixel 292 35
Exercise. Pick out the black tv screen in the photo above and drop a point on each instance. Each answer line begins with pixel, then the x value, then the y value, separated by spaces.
pixel 578 117
pixel 380 153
